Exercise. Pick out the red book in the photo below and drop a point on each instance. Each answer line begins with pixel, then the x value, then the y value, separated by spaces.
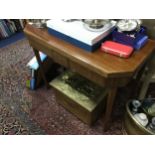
pixel 117 49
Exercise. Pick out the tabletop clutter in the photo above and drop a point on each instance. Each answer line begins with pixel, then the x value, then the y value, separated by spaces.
pixel 116 37
pixel 127 37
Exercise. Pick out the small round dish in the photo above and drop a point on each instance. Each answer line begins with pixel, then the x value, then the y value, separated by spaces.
pixel 96 26
pixel 141 118
pixel 127 25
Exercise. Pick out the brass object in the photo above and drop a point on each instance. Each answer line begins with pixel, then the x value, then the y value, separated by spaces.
pixel 80 96
pixel 132 126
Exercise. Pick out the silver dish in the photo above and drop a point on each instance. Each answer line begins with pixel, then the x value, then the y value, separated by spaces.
pixel 128 25
pixel 95 23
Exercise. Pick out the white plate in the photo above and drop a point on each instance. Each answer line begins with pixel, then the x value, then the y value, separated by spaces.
pixel 127 25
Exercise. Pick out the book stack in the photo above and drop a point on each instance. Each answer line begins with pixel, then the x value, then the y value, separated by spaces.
pixel 35 78
pixel 9 27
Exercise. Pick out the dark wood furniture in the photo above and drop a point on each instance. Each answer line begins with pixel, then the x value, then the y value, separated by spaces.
pixel 104 69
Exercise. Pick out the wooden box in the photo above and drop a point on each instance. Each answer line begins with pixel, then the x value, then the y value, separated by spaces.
pixel 80 96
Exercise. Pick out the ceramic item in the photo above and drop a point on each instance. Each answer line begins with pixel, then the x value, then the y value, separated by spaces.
pixel 128 25
pixel 135 105
pixel 151 126
pixel 141 118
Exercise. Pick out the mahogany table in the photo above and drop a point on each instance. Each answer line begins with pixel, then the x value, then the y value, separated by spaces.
pixel 104 69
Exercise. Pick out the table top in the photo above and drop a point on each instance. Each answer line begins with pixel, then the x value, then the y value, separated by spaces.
pixel 102 63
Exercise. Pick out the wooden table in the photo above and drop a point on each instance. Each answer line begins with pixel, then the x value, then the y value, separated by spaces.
pixel 104 69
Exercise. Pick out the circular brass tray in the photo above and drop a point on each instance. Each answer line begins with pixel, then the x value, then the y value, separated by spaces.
pixel 131 125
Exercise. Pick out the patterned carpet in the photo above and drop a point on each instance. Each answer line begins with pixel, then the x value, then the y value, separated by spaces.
pixel 23 111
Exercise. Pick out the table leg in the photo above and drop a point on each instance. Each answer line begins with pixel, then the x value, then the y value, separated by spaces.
pixel 109 106
pixel 36 52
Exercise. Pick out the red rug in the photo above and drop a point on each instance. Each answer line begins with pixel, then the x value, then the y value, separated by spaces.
pixel 37 111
